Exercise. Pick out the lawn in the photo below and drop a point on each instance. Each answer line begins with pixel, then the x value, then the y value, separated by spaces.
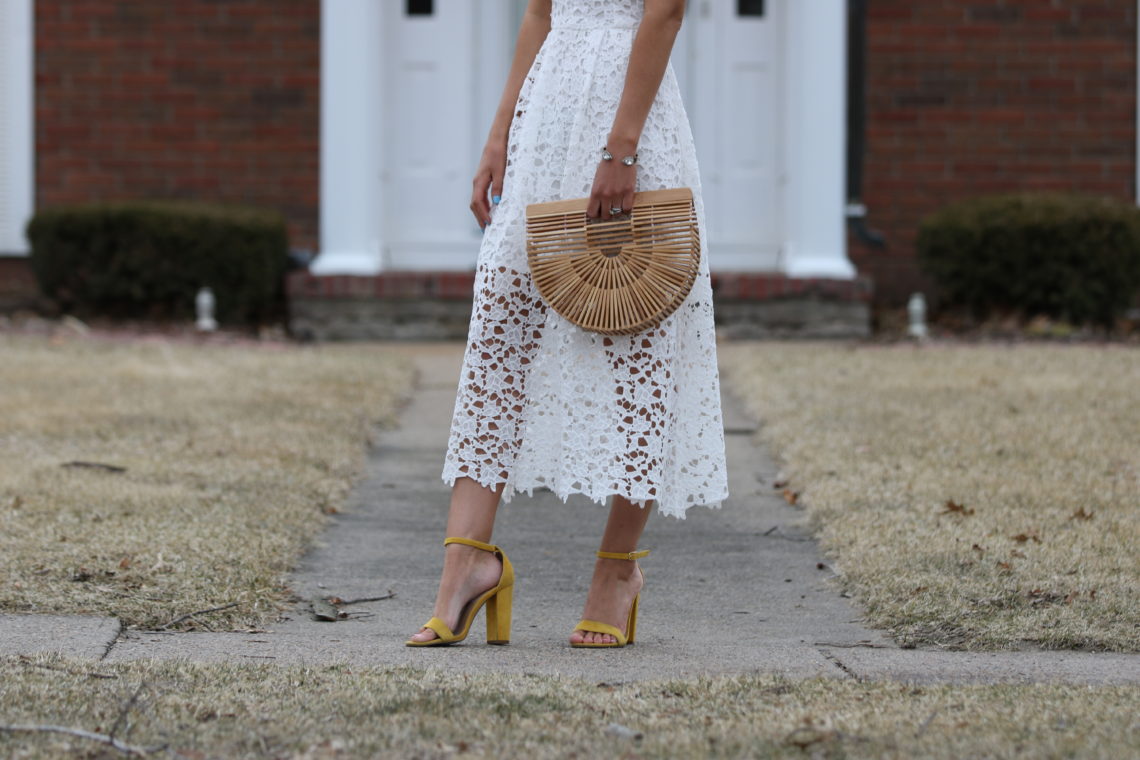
pixel 148 479
pixel 970 496
pixel 264 710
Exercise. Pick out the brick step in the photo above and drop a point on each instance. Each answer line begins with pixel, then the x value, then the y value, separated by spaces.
pixel 437 305
pixel 745 286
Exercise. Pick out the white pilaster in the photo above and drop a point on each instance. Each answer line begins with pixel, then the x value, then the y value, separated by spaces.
pixel 815 135
pixel 351 224
pixel 17 143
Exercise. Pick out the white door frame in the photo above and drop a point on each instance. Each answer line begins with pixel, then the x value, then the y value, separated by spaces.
pixel 17 123
pixel 440 102
pixel 352 234
pixel 815 134
pixel 814 66
pixel 740 158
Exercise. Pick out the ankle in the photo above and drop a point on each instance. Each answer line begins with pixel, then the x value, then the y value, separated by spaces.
pixel 619 569
pixel 466 555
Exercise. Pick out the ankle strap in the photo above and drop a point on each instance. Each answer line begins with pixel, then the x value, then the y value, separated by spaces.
pixel 470 542
pixel 624 555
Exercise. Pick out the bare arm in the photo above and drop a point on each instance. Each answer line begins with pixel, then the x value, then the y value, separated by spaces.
pixel 614 183
pixel 535 26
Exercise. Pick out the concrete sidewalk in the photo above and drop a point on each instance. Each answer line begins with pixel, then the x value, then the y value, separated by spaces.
pixel 736 590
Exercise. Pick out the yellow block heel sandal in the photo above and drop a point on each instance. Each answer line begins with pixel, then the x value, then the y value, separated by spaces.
pixel 631 622
pixel 497 599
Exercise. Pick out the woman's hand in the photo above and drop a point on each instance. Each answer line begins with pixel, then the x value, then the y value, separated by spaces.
pixel 614 185
pixel 489 175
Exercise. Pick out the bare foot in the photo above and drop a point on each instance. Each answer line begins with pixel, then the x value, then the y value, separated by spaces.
pixel 616 582
pixel 467 573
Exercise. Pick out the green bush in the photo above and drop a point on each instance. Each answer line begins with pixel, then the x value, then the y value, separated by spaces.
pixel 148 259
pixel 1070 257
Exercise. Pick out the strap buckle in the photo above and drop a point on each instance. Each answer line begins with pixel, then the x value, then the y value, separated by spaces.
pixel 624 555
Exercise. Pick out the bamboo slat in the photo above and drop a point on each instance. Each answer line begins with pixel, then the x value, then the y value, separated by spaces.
pixel 620 276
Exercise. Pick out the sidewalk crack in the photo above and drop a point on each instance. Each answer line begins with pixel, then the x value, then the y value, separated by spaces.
pixel 839 663
pixel 114 640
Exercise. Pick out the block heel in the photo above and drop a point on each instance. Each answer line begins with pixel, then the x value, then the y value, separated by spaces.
pixel 499 617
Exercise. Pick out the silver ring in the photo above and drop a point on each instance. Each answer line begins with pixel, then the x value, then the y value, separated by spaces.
pixel 615 210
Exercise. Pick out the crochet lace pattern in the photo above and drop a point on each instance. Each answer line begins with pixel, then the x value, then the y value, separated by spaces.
pixel 541 402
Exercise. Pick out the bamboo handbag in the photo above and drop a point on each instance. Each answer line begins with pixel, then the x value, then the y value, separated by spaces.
pixel 620 276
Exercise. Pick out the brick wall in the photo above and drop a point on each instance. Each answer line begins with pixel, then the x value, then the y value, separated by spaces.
pixel 219 100
pixel 975 97
pixel 197 99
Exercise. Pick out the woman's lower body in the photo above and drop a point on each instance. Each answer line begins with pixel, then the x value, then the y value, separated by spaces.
pixel 469 572
pixel 544 404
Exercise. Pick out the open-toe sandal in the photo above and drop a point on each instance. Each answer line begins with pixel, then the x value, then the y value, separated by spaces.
pixel 497 600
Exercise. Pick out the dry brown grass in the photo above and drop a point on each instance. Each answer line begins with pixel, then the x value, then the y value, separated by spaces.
pixel 971 496
pixel 264 710
pixel 232 456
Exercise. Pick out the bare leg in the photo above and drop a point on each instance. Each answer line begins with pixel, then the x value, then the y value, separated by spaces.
pixel 616 581
pixel 467 571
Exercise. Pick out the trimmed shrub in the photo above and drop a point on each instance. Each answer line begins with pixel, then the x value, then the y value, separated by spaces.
pixel 148 259
pixel 1070 257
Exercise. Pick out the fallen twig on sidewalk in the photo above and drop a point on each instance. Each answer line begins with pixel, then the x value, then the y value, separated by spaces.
pixel 775 532
pixel 389 595
pixel 857 644
pixel 327 609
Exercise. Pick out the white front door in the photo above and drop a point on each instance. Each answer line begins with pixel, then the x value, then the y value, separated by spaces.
pixel 440 55
pixel 431 71
pixel 728 60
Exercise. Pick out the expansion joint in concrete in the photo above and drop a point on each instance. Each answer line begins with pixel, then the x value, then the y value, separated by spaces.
pixel 839 664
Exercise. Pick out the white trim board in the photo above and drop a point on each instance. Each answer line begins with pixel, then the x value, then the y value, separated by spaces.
pixel 17 141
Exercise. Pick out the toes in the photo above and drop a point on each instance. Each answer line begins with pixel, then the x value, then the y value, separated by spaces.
pixel 425 634
pixel 590 637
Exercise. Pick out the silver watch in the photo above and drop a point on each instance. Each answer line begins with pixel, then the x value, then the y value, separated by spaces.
pixel 628 160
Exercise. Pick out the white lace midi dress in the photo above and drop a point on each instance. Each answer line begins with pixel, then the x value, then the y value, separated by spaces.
pixel 541 402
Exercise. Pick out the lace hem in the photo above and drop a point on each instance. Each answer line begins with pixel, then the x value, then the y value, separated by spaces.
pixel 452 474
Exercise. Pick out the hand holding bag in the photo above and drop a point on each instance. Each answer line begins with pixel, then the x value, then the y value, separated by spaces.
pixel 620 276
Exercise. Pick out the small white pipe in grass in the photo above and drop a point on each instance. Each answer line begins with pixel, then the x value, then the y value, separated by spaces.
pixel 204 303
pixel 916 311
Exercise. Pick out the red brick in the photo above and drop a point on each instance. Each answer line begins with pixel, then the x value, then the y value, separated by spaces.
pixel 153 83
pixel 1048 103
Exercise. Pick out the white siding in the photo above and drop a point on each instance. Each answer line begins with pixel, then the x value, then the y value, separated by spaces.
pixel 16 142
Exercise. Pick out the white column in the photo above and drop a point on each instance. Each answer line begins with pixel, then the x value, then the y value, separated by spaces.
pixel 17 144
pixel 815 134
pixel 351 137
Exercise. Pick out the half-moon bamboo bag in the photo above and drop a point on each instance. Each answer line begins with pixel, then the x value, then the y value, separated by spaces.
pixel 620 276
